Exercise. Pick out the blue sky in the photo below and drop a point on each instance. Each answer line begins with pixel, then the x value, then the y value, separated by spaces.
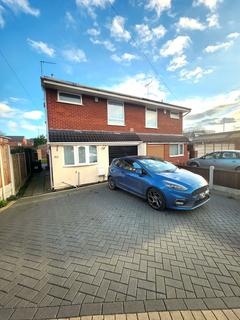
pixel 185 52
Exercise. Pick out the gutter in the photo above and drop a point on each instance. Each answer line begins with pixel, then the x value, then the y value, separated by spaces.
pixel 95 92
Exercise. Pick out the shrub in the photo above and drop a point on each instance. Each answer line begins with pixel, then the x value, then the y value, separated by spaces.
pixel 3 203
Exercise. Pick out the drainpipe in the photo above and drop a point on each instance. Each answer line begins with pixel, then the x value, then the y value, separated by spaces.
pixel 50 167
pixel 2 174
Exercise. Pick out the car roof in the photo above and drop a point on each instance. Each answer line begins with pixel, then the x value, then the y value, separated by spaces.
pixel 226 151
pixel 138 158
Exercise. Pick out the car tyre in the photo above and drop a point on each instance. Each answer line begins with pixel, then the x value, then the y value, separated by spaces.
pixel 194 165
pixel 111 183
pixel 156 199
pixel 237 169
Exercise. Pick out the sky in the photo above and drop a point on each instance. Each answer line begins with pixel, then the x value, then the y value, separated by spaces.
pixel 183 52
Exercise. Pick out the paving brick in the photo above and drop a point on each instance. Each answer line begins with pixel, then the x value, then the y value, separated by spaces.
pixel 23 314
pixel 195 304
pixel 154 305
pixel 232 302
pixel 134 306
pixel 46 313
pixel 5 314
pixel 175 304
pixel 91 309
pixel 214 303
pixel 68 311
pixel 112 308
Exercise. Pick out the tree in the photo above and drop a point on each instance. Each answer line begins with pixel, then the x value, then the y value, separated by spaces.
pixel 39 140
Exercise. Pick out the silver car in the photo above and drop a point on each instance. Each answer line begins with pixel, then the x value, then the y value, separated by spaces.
pixel 224 160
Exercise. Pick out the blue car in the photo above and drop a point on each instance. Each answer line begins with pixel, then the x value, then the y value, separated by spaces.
pixel 160 182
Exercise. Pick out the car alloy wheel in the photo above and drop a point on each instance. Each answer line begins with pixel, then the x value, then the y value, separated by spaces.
pixel 194 165
pixel 111 183
pixel 156 199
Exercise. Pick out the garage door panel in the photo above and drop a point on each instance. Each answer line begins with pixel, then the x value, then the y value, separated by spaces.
pixel 122 151
pixel 155 150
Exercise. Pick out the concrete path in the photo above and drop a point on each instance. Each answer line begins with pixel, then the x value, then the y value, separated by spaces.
pixel 39 184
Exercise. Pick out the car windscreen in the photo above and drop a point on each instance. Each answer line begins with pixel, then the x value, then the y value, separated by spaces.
pixel 157 165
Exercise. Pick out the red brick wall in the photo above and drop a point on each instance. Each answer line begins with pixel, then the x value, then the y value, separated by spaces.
pixel 93 116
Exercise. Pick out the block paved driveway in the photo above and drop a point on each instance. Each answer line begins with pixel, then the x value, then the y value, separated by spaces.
pixel 95 251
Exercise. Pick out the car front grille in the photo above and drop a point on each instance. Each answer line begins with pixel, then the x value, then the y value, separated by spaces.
pixel 200 190
pixel 197 202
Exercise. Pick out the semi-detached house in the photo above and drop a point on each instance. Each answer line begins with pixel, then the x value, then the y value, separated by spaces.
pixel 88 127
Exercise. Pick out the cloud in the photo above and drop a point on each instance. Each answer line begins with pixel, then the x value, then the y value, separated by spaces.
pixel 118 30
pixel 125 57
pixel 190 24
pixel 209 105
pixel 210 4
pixel 177 63
pixel 91 5
pixel 175 46
pixel 74 55
pixel 32 127
pixel 5 110
pixel 217 47
pixel 233 35
pixel 2 21
pixel 12 126
pixel 33 115
pixel 137 85
pixel 21 6
pixel 106 43
pixel 208 112
pixel 145 34
pixel 41 47
pixel 158 6
pixel 224 45
pixel 69 19
pixel 195 74
pixel 212 20
pixel 93 32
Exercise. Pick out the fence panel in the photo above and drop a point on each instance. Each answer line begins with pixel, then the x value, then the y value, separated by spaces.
pixel 19 170
pixel 230 179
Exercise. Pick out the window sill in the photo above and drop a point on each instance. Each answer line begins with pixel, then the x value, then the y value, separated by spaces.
pixel 75 103
pixel 178 155
pixel 151 127
pixel 117 125
pixel 79 165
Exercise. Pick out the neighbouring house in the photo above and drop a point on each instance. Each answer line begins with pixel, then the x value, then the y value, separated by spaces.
pixel 88 127
pixel 17 141
pixel 207 143
pixel 42 152
pixel 6 177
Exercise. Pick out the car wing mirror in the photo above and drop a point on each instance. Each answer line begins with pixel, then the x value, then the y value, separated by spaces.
pixel 139 171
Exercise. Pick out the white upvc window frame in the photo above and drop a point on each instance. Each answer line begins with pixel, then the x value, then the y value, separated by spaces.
pixel 120 103
pixel 179 154
pixel 76 157
pixel 154 110
pixel 69 102
pixel 175 115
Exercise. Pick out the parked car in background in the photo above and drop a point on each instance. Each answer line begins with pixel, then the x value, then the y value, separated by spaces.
pixel 160 182
pixel 224 160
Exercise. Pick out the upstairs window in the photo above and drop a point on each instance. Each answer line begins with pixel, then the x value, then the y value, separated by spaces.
pixel 174 115
pixel 115 111
pixel 67 97
pixel 151 118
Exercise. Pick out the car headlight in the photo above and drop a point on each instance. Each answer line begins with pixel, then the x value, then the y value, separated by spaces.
pixel 174 186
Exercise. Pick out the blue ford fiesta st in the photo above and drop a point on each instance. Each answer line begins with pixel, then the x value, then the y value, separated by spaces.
pixel 160 182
